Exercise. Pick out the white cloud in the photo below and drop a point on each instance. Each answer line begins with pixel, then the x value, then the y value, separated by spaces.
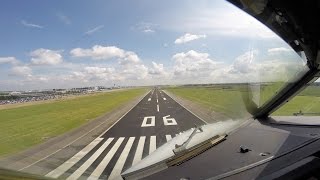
pixel 133 72
pixel 193 64
pixel 188 37
pixel 63 18
pixel 97 70
pixel 27 24
pixel 45 57
pixel 148 30
pixel 93 30
pixel 245 62
pixel 21 71
pixel 98 52
pixel 9 60
pixel 100 73
pixel 129 57
pixel 156 69
pixel 248 68
pixel 278 50
pixel 189 67
pixel 145 27
pixel 107 52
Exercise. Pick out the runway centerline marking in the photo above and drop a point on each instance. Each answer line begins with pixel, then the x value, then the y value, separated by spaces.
pixel 164 98
pixel 158 107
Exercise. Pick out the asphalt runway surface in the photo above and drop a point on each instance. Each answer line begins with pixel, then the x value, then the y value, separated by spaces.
pixel 152 122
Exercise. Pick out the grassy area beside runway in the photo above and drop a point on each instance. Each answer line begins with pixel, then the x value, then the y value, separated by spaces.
pixel 26 126
pixel 308 102
pixel 228 100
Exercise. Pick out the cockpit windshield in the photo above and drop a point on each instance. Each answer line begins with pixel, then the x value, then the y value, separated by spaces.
pixel 89 88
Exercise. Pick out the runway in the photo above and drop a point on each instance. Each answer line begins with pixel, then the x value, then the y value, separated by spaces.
pixel 152 122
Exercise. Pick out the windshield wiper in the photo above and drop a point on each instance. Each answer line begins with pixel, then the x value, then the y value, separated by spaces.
pixel 182 154
pixel 180 148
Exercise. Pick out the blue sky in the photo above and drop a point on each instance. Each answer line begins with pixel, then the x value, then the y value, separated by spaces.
pixel 51 44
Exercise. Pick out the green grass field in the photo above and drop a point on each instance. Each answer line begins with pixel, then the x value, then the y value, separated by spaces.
pixel 308 101
pixel 26 126
pixel 228 101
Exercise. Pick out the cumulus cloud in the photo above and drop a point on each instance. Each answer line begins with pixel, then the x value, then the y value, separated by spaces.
pixel 278 50
pixel 188 37
pixel 134 72
pixel 245 62
pixel 32 25
pixel 98 52
pixel 107 52
pixel 9 60
pixel 247 67
pixel 93 30
pixel 21 71
pixel 156 69
pixel 193 64
pixel 129 57
pixel 97 70
pixel 45 57
pixel 94 72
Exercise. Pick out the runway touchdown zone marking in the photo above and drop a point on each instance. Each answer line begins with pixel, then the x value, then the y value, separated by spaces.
pixel 81 173
pixel 72 161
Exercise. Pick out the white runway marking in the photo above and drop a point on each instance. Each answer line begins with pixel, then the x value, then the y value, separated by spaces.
pixel 169 121
pixel 139 151
pixel 158 107
pixel 157 101
pixel 145 121
pixel 88 163
pixel 98 171
pixel 153 144
pixel 149 99
pixel 164 98
pixel 168 137
pixel 68 164
pixel 116 170
pixel 115 173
